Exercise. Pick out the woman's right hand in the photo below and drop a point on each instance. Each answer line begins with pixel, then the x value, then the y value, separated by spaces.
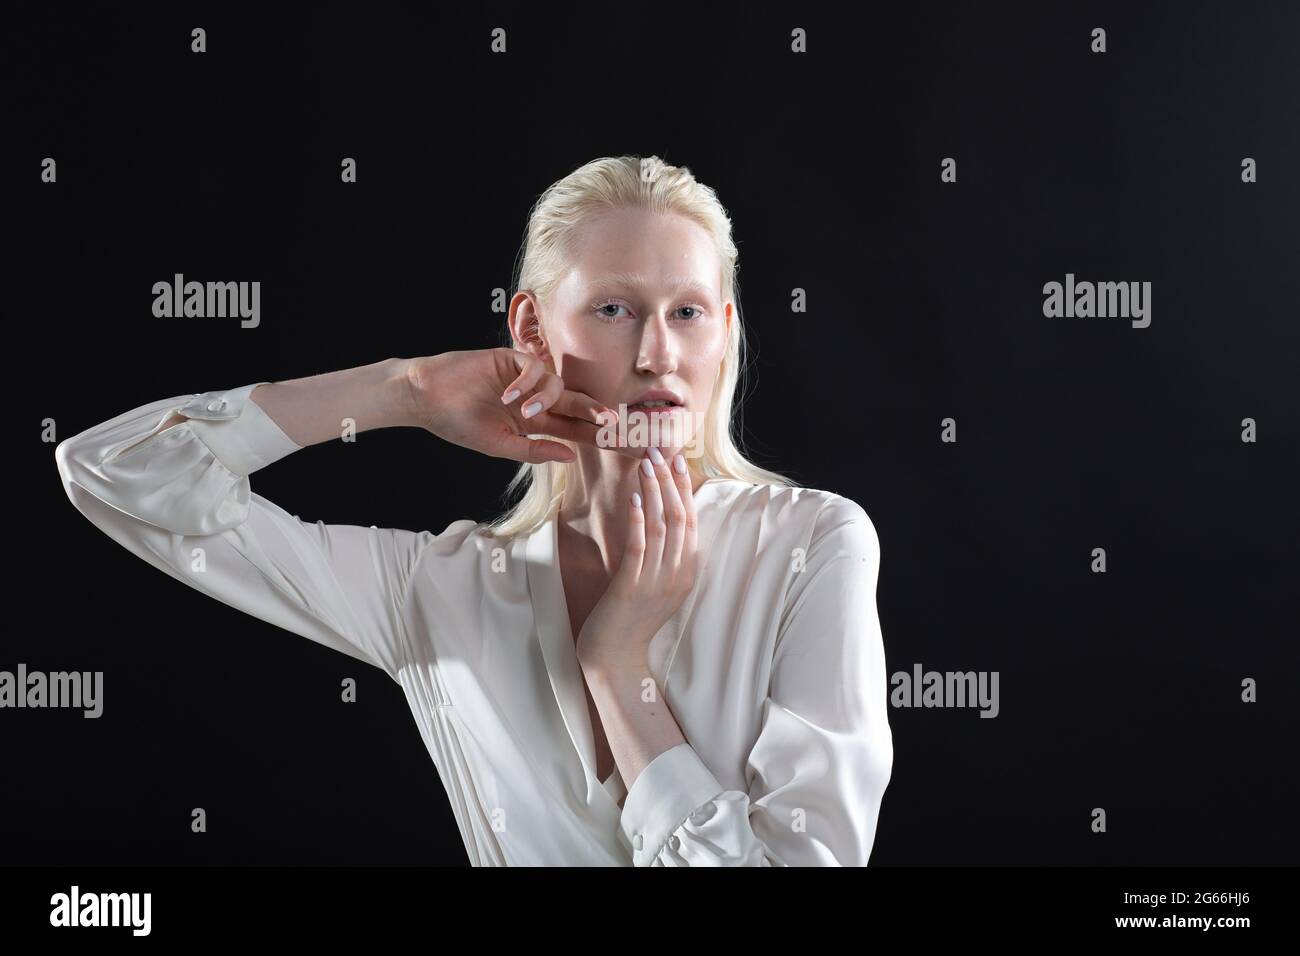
pixel 461 398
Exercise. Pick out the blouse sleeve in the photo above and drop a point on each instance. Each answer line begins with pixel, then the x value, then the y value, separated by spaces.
pixel 179 498
pixel 824 755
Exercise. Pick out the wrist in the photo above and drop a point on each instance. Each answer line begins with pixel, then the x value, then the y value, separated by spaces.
pixel 404 382
pixel 614 664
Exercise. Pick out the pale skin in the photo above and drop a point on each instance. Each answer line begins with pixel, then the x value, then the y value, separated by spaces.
pixel 631 566
pixel 598 342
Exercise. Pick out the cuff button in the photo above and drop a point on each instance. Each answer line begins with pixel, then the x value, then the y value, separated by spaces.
pixel 216 405
pixel 637 841
pixel 674 842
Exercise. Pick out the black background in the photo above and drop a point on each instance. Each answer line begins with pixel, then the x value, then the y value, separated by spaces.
pixel 1118 690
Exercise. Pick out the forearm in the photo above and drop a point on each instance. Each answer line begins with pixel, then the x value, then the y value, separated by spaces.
pixel 312 410
pixel 638 724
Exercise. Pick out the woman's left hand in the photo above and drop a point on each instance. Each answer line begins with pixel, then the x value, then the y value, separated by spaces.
pixel 656 573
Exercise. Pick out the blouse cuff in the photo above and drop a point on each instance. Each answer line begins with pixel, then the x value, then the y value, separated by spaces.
pixel 236 429
pixel 670 788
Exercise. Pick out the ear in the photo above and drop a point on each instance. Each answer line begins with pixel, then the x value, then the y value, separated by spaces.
pixel 526 326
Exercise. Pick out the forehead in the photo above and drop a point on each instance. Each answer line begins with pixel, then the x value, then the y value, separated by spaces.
pixel 636 248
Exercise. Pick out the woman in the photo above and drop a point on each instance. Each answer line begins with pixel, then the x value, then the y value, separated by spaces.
pixel 642 566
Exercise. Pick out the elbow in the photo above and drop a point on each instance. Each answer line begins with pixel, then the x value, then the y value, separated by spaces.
pixel 75 473
pixel 67 460
pixel 877 770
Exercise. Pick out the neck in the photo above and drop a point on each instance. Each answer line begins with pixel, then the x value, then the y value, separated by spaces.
pixel 596 499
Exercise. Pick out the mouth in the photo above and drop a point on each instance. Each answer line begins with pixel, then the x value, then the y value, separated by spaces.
pixel 663 407
pixel 656 400
pixel 658 421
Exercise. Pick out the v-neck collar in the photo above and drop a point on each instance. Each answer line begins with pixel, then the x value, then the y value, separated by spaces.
pixel 559 654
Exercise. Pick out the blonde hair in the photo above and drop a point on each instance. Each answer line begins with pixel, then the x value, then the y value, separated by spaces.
pixel 617 183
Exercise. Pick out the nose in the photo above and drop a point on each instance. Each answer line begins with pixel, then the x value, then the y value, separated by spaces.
pixel 658 354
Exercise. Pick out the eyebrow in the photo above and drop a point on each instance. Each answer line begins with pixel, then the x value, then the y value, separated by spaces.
pixel 637 280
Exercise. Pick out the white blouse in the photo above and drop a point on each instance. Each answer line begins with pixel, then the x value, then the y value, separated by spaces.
pixel 773 667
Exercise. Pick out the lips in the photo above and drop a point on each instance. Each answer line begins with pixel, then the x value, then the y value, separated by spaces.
pixel 656 409
pixel 656 395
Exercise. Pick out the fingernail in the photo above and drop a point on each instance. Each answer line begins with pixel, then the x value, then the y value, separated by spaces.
pixel 657 458
pixel 510 396
pixel 636 499
pixel 647 468
pixel 679 463
pixel 533 409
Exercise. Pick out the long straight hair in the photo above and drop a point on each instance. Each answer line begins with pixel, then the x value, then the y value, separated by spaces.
pixel 618 183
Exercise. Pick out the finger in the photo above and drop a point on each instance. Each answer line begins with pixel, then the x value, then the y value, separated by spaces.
pixel 550 387
pixel 579 405
pixel 532 450
pixel 690 543
pixel 629 569
pixel 531 371
pixel 655 530
pixel 559 426
pixel 674 511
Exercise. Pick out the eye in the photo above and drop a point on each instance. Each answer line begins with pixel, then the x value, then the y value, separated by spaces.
pixel 696 311
pixel 605 316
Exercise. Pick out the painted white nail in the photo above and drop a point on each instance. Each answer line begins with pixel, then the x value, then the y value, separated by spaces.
pixel 679 463
pixel 647 468
pixel 510 396
pixel 636 498
pixel 655 456
pixel 533 409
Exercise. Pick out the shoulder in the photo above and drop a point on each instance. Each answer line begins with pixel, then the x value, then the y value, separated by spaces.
pixel 464 560
pixel 455 537
pixel 824 520
pixel 843 527
pixel 462 542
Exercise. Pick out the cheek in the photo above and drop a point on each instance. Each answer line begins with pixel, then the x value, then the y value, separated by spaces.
pixel 589 368
pixel 590 343
pixel 707 361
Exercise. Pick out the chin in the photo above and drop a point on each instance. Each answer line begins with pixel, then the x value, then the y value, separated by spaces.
pixel 668 438
pixel 638 451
